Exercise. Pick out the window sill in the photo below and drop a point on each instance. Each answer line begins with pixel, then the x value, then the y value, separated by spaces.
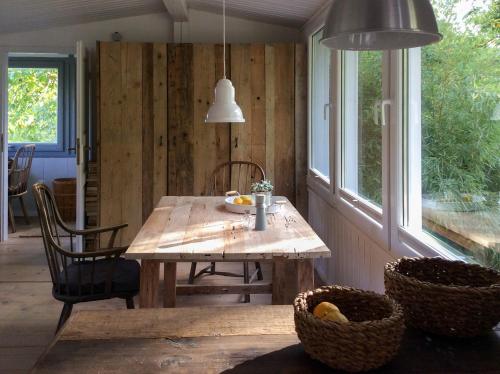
pixel 421 244
pixel 318 185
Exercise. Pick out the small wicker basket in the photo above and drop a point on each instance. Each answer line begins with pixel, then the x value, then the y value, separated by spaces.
pixel 369 340
pixel 444 297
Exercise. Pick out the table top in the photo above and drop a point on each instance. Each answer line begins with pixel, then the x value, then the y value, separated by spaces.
pixel 186 228
pixel 234 339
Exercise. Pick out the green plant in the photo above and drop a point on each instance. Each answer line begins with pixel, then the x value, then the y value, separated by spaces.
pixel 32 100
pixel 262 186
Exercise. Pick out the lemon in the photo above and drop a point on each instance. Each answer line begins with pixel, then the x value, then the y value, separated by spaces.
pixel 335 317
pixel 246 198
pixel 324 308
pixel 247 202
pixel 329 312
pixel 238 200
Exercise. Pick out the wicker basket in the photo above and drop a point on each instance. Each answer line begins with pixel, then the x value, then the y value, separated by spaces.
pixel 444 297
pixel 369 340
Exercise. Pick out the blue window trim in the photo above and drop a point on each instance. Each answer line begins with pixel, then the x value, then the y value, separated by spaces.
pixel 66 122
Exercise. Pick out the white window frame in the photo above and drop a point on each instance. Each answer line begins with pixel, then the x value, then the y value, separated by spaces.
pixel 370 218
pixel 407 236
pixel 397 227
pixel 316 180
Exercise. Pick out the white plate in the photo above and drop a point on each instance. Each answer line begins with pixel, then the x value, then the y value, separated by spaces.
pixel 242 209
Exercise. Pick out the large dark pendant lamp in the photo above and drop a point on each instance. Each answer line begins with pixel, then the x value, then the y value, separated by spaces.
pixel 364 25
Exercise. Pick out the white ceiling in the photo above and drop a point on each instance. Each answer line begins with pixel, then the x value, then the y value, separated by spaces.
pixel 25 15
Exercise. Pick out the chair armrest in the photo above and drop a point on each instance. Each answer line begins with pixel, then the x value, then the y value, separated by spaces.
pixel 104 253
pixel 97 230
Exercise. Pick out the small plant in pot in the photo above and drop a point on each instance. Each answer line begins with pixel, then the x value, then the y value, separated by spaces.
pixel 264 187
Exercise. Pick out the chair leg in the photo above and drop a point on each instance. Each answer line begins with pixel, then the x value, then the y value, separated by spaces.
pixel 130 302
pixel 259 271
pixel 192 272
pixel 212 268
pixel 65 313
pixel 246 280
pixel 25 212
pixel 12 222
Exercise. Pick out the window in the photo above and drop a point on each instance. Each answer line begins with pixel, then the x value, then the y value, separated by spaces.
pixel 456 86
pixel 41 104
pixel 320 108
pixel 362 126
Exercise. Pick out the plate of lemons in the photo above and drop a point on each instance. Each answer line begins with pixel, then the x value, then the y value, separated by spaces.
pixel 245 203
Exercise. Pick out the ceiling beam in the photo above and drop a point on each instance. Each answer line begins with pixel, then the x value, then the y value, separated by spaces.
pixel 177 9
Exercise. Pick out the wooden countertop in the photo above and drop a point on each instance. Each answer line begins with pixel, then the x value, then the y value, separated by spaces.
pixel 233 339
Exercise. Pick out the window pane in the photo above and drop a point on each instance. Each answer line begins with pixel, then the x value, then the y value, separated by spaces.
pixel 33 105
pixel 362 124
pixel 320 97
pixel 461 131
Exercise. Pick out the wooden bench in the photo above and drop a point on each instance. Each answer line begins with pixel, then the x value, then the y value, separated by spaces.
pixel 233 339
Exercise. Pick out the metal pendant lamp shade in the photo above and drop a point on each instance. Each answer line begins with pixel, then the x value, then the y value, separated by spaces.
pixel 364 25
pixel 224 108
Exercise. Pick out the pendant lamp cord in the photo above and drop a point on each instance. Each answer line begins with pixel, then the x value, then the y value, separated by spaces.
pixel 224 34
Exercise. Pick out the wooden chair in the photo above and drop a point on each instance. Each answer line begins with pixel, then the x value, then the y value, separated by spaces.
pixel 232 176
pixel 86 276
pixel 19 173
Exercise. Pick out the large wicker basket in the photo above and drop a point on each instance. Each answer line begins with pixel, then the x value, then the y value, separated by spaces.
pixel 444 297
pixel 369 340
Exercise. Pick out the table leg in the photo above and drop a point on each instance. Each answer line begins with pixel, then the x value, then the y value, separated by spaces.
pixel 150 278
pixel 170 284
pixel 291 277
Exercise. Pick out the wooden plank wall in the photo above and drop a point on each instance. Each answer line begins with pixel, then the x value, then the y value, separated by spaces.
pixel 153 140
pixel 132 133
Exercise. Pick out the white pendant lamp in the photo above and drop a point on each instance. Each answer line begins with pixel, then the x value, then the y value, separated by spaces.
pixel 224 108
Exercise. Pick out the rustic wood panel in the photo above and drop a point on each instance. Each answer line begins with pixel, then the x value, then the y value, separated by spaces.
pixel 159 121
pixel 148 138
pixel 152 140
pixel 301 84
pixel 131 131
pixel 180 119
pixel 211 140
pixel 110 134
pixel 248 140
pixel 280 117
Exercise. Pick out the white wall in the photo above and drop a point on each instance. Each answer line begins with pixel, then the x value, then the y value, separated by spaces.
pixel 155 27
pixel 357 260
pixel 45 170
pixel 205 27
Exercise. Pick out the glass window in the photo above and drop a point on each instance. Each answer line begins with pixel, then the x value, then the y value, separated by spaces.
pixel 460 131
pixel 362 125
pixel 41 104
pixel 33 105
pixel 320 106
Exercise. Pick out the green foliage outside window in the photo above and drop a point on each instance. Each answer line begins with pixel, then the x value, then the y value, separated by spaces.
pixel 460 90
pixel 33 105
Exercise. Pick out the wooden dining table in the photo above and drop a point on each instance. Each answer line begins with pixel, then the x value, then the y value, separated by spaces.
pixel 201 229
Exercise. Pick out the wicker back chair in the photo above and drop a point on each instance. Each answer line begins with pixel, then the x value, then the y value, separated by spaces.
pixel 19 174
pixel 232 176
pixel 83 276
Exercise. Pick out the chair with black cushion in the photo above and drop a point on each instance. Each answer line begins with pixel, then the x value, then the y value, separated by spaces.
pixel 232 176
pixel 83 276
pixel 19 174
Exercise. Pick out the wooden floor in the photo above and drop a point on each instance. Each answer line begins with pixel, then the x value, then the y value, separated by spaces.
pixel 29 314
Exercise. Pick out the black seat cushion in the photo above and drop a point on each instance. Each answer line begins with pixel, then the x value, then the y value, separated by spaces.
pixel 92 277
